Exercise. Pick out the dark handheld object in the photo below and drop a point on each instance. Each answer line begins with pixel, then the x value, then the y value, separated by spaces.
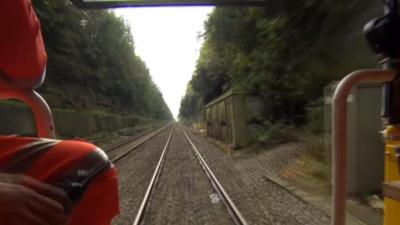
pixel 75 181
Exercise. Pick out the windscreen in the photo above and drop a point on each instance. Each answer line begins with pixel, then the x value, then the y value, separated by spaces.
pixel 138 3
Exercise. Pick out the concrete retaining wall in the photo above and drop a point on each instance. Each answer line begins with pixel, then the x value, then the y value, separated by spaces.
pixel 18 119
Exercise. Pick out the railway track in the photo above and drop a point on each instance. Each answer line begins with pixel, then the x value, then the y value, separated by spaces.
pixel 113 147
pixel 150 188
pixel 133 143
pixel 235 215
pixel 129 140
pixel 169 181
pixel 230 205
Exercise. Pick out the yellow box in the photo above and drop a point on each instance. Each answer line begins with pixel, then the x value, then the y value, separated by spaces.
pixel 392 207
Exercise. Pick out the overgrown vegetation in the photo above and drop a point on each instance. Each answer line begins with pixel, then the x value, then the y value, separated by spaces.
pixel 286 53
pixel 282 52
pixel 316 158
pixel 275 133
pixel 92 64
pixel 315 116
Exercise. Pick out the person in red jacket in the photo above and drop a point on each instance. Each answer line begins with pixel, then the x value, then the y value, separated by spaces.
pixel 46 181
pixel 78 185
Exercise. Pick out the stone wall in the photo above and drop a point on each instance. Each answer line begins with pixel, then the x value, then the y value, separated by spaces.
pixel 18 119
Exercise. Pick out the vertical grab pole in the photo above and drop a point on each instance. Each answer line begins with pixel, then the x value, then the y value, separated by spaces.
pixel 339 135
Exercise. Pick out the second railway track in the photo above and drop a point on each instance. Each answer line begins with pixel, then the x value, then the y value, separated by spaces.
pixel 125 147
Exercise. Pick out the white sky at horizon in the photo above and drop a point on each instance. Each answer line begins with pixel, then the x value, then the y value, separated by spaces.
pixel 166 39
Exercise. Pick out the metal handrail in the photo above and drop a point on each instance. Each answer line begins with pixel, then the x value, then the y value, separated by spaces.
pixel 339 134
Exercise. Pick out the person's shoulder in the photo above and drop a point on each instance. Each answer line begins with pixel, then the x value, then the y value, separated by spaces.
pixel 79 148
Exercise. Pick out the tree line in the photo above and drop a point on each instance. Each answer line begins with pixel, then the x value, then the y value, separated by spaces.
pixel 92 63
pixel 280 52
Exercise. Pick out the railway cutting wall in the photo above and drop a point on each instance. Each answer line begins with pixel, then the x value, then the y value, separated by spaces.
pixel 16 118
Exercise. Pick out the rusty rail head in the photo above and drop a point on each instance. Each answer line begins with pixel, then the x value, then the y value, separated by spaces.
pixel 339 134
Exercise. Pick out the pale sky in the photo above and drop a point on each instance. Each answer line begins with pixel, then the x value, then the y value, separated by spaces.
pixel 166 38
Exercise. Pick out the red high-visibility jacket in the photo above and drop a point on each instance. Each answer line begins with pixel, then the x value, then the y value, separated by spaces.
pixel 23 57
pixel 80 168
pixel 62 163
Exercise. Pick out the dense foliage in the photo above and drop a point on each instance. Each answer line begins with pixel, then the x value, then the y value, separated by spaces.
pixel 92 63
pixel 279 52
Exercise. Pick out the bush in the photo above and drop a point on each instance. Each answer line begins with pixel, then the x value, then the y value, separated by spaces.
pixel 317 156
pixel 317 147
pixel 315 116
pixel 275 133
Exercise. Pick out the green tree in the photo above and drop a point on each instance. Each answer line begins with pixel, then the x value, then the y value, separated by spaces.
pixel 92 63
pixel 277 52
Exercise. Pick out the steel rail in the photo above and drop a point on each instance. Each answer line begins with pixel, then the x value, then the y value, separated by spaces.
pixel 126 141
pixel 93 139
pixel 119 157
pixel 134 138
pixel 123 142
pixel 150 188
pixel 232 208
